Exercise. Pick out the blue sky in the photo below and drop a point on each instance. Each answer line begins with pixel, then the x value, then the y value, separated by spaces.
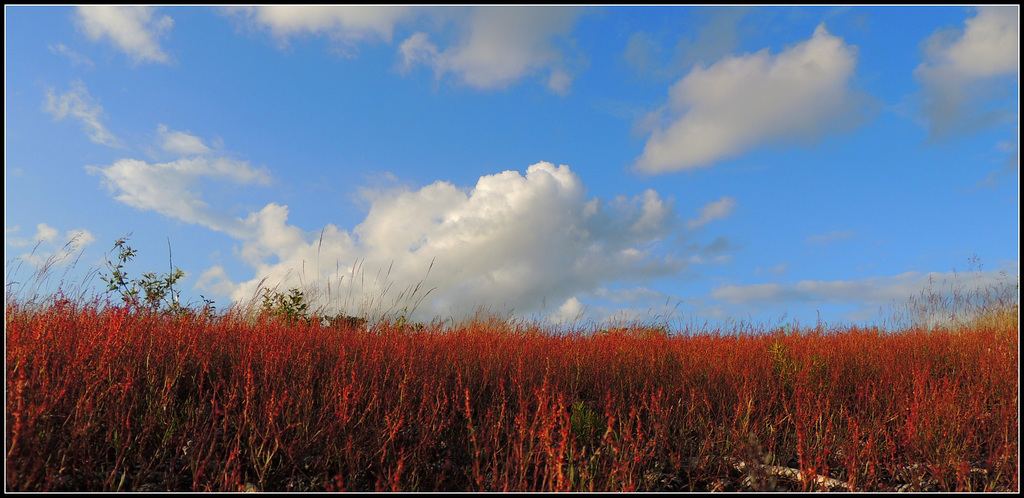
pixel 597 163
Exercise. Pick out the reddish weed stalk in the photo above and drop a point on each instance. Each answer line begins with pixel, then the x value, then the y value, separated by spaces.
pixel 103 398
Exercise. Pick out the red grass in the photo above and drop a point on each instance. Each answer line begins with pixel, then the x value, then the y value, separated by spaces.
pixel 100 398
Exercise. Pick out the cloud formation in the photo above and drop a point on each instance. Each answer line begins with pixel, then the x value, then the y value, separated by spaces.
pixel 347 25
pixel 181 143
pixel 960 69
pixel 495 46
pixel 739 103
pixel 718 37
pixel 77 59
pixel 712 211
pixel 134 30
pixel 48 247
pixel 78 104
pixel 511 242
pixel 501 45
pixel 172 188
pixel 870 294
pixel 528 243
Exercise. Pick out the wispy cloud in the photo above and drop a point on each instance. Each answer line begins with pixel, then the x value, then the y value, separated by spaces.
pixel 717 37
pixel 1011 164
pixel 172 188
pixel 960 69
pixel 78 104
pixel 739 103
pixel 870 294
pixel 77 59
pixel 712 211
pixel 180 142
pixel 778 269
pixel 134 30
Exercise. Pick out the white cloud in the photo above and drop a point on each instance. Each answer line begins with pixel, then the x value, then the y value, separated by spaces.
pixel 78 104
pixel 45 233
pixel 11 240
pixel 571 310
pixel 712 211
pixel 347 25
pixel 181 143
pixel 79 236
pixel 132 29
pixel 171 188
pixel 960 66
pixel 513 242
pixel 501 45
pixel 559 82
pixel 215 281
pixel 495 46
pixel 48 247
pixel 739 103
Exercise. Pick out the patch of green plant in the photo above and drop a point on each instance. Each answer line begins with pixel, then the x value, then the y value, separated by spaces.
pixel 584 422
pixel 290 307
pixel 783 364
pixel 343 321
pixel 403 320
pixel 154 291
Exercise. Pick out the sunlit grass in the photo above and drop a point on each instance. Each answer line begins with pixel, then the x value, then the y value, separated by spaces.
pixel 103 396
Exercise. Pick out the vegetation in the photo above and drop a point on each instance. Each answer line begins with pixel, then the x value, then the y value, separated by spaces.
pixel 106 396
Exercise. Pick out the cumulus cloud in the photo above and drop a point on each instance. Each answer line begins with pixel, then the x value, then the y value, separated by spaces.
pixel 45 233
pixel 512 242
pixel 181 143
pixel 171 188
pixel 961 69
pixel 501 45
pixel 712 211
pixel 78 104
pixel 571 310
pixel 739 103
pixel 134 30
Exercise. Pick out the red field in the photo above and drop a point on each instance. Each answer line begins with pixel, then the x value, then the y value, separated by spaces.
pixel 101 398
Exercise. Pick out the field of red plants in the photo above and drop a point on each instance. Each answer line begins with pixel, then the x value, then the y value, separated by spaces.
pixel 104 398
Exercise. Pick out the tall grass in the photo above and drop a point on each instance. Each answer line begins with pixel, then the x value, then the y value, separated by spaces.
pixel 961 306
pixel 104 397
